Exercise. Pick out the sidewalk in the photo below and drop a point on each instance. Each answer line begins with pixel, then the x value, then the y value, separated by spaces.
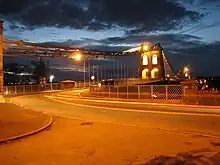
pixel 16 122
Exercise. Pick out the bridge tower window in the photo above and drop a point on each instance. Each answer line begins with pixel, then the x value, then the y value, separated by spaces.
pixel 154 73
pixel 145 74
pixel 154 59
pixel 145 59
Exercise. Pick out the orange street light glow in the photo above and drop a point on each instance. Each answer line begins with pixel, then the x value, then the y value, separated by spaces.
pixel 78 57
pixel 145 47
pixel 186 69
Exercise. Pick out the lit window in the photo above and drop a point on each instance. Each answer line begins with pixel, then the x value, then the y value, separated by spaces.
pixel 145 60
pixel 154 60
pixel 154 73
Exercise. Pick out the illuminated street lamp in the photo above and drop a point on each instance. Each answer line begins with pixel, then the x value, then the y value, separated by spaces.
pixel 186 72
pixel 93 78
pixel 186 69
pixel 78 57
pixel 51 81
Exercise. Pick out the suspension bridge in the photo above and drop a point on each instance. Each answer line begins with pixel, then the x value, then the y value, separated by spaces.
pixel 153 64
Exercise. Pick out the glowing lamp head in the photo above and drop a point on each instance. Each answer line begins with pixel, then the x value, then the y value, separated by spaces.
pixel 92 78
pixel 51 78
pixel 186 69
pixel 78 57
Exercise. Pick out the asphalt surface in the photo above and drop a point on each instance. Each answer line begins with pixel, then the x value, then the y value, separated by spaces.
pixel 90 131
pixel 195 121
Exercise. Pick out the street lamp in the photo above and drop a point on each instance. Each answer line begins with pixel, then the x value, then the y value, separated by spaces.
pixel 51 81
pixel 78 57
pixel 186 71
pixel 93 78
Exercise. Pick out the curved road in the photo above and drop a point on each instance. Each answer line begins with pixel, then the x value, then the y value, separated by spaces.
pixel 90 131
pixel 195 121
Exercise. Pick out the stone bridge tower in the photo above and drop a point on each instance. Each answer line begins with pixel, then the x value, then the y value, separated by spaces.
pixel 151 64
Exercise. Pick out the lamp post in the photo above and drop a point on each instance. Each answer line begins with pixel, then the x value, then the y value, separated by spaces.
pixel 78 57
pixel 51 81
pixel 84 71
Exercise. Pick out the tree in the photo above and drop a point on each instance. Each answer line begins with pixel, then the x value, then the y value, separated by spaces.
pixel 41 69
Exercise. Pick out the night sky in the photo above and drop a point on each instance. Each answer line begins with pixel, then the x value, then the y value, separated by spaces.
pixel 189 30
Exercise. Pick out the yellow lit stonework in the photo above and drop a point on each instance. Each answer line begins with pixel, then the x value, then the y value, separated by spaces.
pixel 154 73
pixel 145 73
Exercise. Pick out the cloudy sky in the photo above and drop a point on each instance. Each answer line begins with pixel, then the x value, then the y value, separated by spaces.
pixel 189 30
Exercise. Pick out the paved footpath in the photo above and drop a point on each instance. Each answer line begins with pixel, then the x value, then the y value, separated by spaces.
pixel 16 122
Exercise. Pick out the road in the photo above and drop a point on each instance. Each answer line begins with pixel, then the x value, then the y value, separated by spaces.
pixel 90 131
pixel 181 119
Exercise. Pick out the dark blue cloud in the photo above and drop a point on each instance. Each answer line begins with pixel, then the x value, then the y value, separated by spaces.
pixel 135 16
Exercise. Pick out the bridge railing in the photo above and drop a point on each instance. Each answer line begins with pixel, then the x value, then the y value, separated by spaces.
pixel 29 89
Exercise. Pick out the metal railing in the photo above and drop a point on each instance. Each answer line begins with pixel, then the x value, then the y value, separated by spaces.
pixel 37 88
pixel 133 81
pixel 81 84
pixel 149 93
pixel 145 92
pixel 156 93
pixel 29 89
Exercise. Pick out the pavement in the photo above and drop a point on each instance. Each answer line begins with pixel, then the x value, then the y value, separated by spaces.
pixel 17 122
pixel 89 131
pixel 2 100
pixel 78 142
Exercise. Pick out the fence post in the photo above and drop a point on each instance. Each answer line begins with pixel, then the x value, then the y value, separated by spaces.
pixel 23 89
pixel 127 91
pixel 98 93
pixel 109 91
pixel 117 92
pixel 197 96
pixel 166 92
pixel 151 91
pixel 139 94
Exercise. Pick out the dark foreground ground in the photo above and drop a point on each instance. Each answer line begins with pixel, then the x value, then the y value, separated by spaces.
pixel 16 121
pixel 73 142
